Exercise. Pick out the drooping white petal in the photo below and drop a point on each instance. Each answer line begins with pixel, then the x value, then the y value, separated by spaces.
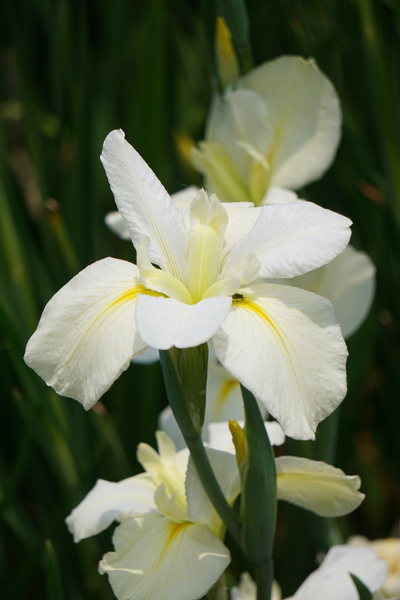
pixel 200 508
pixel 159 559
pixel 304 112
pixel 291 239
pixel 332 580
pixel 284 345
pixel 317 486
pixel 348 282
pixel 87 334
pixel 167 322
pixel 144 204
pixel 220 437
pixel 108 502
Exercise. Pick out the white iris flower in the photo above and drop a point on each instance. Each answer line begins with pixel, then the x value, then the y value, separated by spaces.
pixel 169 542
pixel 331 581
pixel 279 126
pixel 283 343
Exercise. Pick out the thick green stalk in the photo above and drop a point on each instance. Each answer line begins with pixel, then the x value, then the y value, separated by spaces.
pixel 258 503
pixel 185 376
pixel 264 578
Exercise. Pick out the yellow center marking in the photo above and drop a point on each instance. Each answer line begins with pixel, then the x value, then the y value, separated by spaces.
pixel 226 389
pixel 175 529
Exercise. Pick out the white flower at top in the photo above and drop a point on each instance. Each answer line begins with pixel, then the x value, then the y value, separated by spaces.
pixel 283 343
pixel 279 126
pixel 331 581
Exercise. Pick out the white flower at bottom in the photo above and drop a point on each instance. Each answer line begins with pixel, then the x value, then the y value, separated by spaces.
pixel 168 544
pixel 389 550
pixel 331 581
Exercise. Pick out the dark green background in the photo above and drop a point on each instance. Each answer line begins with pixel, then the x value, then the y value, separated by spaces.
pixel 71 71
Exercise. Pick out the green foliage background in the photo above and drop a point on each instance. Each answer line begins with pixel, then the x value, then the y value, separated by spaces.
pixel 70 72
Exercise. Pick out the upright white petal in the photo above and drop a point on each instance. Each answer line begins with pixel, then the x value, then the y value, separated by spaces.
pixel 108 502
pixel 165 467
pixel 317 486
pixel 144 204
pixel 285 346
pixel 159 559
pixel 87 334
pixel 250 119
pixel 332 580
pixel 182 200
pixel 200 508
pixel 167 322
pixel 348 282
pixel 304 112
pixel 291 239
pixel 208 221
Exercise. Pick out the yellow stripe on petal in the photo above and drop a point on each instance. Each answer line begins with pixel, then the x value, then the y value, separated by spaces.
pixel 158 559
pixel 87 335
pixel 285 345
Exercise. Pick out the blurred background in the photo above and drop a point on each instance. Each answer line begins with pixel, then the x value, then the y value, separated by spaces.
pixel 70 72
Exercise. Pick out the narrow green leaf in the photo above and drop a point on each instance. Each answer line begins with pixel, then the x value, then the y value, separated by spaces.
pixel 54 588
pixel 258 486
pixel 363 592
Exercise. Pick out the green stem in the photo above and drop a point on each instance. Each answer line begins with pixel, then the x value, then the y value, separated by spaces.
pixel 212 488
pixel 185 376
pixel 264 578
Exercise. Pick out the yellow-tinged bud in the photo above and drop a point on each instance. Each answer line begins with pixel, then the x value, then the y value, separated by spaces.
pixel 227 62
pixel 240 443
